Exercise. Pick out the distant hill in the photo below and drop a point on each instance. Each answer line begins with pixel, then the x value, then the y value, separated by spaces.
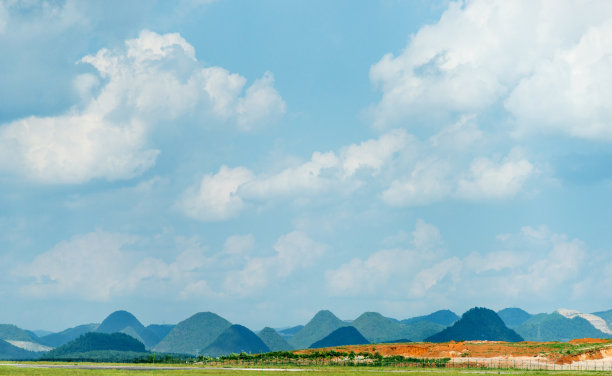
pixel 606 315
pixel 376 328
pixel 63 337
pixel 513 317
pixel 192 335
pixel 321 325
pixel 125 322
pixel 347 335
pixel 477 324
pixel 273 340
pixel 597 322
pixel 160 330
pixel 236 339
pixel 420 330
pixel 287 333
pixel 10 352
pixel 556 327
pixel 12 332
pixel 443 317
pixel 40 333
pixel 97 342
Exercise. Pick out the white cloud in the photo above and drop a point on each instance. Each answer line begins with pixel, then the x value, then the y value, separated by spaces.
pixel 216 197
pixel 223 195
pixel 429 181
pixel 293 251
pixel 572 91
pixel 488 179
pixel 154 78
pixel 401 272
pixel 99 266
pixel 372 154
pixel 547 60
pixel 539 271
pixel 90 266
pixel 239 244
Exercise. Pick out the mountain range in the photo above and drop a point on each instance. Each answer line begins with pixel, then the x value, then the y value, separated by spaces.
pixel 207 333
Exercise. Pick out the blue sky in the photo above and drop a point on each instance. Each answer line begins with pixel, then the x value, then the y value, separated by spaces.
pixel 264 160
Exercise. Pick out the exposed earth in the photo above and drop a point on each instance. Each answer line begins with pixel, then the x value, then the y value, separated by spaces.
pixel 588 351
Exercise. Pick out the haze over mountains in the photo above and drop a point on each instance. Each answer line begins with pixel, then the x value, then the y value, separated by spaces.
pixel 209 334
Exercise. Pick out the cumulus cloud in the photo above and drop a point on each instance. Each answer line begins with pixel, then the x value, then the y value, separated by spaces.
pixel 152 79
pixel 99 265
pixel 534 264
pixel 223 195
pixel 488 179
pixel 429 181
pixel 216 197
pixel 293 251
pixel 403 268
pixel 552 72
pixel 435 179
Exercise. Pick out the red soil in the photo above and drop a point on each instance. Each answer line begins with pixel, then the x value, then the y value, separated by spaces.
pixel 479 349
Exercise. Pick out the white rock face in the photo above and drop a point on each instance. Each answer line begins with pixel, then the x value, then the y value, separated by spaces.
pixel 30 346
pixel 596 321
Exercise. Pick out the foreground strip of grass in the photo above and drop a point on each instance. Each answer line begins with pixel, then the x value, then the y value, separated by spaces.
pixel 38 369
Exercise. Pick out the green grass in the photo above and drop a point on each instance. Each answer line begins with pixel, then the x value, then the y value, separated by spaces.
pixel 327 371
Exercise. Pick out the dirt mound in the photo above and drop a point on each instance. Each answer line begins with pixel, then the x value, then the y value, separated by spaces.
pixel 588 340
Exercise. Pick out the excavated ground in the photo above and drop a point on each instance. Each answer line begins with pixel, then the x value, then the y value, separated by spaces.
pixel 553 352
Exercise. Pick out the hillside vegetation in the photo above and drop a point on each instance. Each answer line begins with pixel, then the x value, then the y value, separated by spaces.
pixel 443 317
pixel 556 327
pixel 10 352
pixel 477 324
pixel 192 335
pixel 287 333
pixel 14 333
pixel 513 317
pixel 65 336
pixel 321 325
pixel 273 340
pixel 96 342
pixel 347 335
pixel 125 322
pixel 376 328
pixel 236 339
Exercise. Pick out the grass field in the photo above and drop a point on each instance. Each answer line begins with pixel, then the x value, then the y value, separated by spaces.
pixel 130 369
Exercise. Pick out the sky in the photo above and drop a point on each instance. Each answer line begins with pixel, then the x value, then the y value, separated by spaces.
pixel 264 160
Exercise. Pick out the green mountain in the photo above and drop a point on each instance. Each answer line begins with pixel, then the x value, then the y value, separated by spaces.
pixel 97 342
pixel 287 333
pixel 606 315
pixel 273 340
pixel 513 317
pixel 376 328
pixel 63 337
pixel 556 327
pixel 344 336
pixel 10 352
pixel 160 330
pixel 420 330
pixel 443 317
pixel 192 335
pixel 14 333
pixel 125 322
pixel 236 339
pixel 321 325
pixel 477 324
